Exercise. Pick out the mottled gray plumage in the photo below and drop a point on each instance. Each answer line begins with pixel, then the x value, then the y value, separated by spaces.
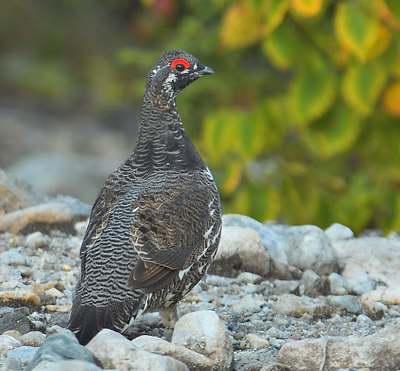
pixel 156 223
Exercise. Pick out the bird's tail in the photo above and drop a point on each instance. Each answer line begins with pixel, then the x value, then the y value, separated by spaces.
pixel 87 320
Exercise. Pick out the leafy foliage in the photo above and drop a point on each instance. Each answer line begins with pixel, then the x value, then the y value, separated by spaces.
pixel 301 122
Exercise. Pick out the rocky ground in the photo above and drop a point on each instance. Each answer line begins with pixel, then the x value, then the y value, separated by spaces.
pixel 277 298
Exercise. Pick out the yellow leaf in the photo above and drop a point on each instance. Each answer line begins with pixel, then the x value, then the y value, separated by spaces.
pixel 274 11
pixel 311 94
pixel 391 99
pixel 241 25
pixel 356 30
pixel 307 8
pixel 381 43
pixel 362 85
pixel 233 175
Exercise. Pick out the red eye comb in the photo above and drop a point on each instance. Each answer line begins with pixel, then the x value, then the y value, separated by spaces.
pixel 177 61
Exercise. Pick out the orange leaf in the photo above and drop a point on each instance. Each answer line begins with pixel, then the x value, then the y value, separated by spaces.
pixel 391 99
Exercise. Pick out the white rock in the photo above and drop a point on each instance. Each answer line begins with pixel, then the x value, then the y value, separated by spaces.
pixel 37 240
pixel 241 247
pixel 248 277
pixel 8 343
pixel 380 351
pixel 297 306
pixel 12 257
pixel 113 350
pixel 339 232
pixel 195 361
pixel 368 260
pixel 256 342
pixel 248 304
pixel 33 338
pixel 204 333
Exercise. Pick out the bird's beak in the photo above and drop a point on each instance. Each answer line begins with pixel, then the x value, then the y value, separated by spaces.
pixel 204 70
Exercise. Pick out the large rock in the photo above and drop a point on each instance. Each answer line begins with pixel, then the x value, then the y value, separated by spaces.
pixel 59 347
pixel 240 250
pixel 302 247
pixel 19 358
pixel 22 207
pixel 380 351
pixel 368 260
pixel 16 194
pixel 113 350
pixel 14 319
pixel 8 343
pixel 204 333
pixel 71 365
pixel 195 361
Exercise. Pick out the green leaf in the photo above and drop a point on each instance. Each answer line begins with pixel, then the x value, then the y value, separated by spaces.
pixel 311 94
pixel 334 133
pixel 361 86
pixel 274 12
pixel 356 30
pixel 283 46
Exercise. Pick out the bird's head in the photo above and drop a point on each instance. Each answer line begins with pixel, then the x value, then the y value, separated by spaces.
pixel 173 72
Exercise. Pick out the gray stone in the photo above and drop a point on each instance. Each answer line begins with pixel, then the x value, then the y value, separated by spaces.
pixel 8 343
pixel 302 247
pixel 113 350
pixel 349 303
pixel 195 361
pixel 19 358
pixel 240 250
pixel 380 351
pixel 285 287
pixel 373 309
pixel 33 338
pixel 248 304
pixel 339 232
pixel 337 284
pixel 59 347
pixel 361 285
pixel 297 306
pixel 68 365
pixel 14 319
pixel 254 360
pixel 204 333
pixel 311 284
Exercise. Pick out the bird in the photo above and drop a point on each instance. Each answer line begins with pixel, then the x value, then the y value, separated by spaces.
pixel 155 226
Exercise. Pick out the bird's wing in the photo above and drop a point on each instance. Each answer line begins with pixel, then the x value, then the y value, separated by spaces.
pixel 169 229
pixel 99 216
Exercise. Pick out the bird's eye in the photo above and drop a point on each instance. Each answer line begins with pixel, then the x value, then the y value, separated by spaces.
pixel 180 64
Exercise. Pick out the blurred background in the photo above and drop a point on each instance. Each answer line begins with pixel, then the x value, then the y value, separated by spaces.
pixel 300 123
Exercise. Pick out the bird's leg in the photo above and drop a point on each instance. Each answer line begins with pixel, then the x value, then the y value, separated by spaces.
pixel 169 317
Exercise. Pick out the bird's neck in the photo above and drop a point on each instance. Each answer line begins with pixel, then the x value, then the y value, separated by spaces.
pixel 163 143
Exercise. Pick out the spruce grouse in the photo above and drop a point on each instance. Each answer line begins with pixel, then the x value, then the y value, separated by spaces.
pixel 155 226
